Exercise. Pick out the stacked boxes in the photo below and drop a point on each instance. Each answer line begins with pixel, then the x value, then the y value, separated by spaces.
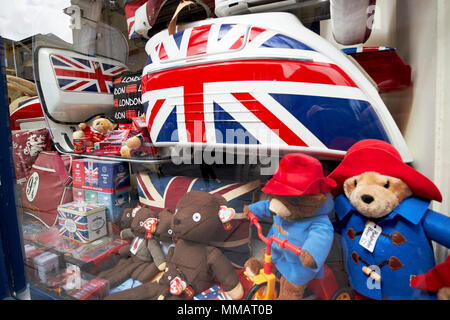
pixel 115 203
pixel 103 176
pixel 105 183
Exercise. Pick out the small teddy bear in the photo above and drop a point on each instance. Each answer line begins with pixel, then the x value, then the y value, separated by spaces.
pixel 87 136
pixel 299 204
pixel 383 219
pixel 133 143
pixel 192 265
pixel 140 141
pixel 144 258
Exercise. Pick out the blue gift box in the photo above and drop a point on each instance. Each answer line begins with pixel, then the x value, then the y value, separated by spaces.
pixel 115 203
pixel 103 176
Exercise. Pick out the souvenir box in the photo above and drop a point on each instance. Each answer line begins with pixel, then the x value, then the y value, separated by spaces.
pixel 104 176
pixel 82 222
pixel 214 293
pixel 98 254
pixel 112 143
pixel 115 203
pixel 95 289
pixel 46 264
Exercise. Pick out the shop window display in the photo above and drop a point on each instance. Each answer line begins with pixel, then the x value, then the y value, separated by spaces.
pixel 192 150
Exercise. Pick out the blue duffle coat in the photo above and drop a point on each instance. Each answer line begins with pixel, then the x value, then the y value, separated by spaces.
pixel 414 224
pixel 314 234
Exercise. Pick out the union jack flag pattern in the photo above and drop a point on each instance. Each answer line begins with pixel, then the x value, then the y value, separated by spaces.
pixel 84 74
pixel 81 222
pixel 104 176
pixel 158 193
pixel 90 174
pixel 214 293
pixel 278 92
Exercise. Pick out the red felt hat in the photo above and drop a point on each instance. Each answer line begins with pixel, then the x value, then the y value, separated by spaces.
pixel 298 174
pixel 379 156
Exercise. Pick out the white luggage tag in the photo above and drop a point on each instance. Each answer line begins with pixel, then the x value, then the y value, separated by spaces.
pixel 370 235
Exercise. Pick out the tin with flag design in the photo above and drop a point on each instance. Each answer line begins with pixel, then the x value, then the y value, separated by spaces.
pixel 81 222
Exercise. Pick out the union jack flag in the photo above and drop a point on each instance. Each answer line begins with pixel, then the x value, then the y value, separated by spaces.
pixel 158 193
pixel 277 90
pixel 78 229
pixel 214 293
pixel 84 74
pixel 90 174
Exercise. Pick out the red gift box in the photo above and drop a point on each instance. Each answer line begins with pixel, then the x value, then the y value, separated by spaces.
pixel 95 289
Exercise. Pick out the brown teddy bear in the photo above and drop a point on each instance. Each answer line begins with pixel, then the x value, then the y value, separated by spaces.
pixel 87 136
pixel 299 205
pixel 192 265
pixel 143 259
pixel 383 219
pixel 139 142
pixel 133 143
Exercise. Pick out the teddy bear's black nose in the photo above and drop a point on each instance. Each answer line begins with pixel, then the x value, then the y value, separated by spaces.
pixel 176 221
pixel 366 198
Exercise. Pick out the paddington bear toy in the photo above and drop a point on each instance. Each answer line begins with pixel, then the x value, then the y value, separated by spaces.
pixel 383 218
pixel 144 258
pixel 192 265
pixel 299 203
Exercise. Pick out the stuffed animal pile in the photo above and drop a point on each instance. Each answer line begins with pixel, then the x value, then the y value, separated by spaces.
pixel 124 139
pixel 192 264
pixel 144 258
pixel 382 218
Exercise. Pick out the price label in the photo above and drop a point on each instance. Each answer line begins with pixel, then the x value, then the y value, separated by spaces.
pixel 369 238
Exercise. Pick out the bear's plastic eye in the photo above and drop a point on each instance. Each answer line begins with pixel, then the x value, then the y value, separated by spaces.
pixel 355 183
pixel 386 185
pixel 141 223
pixel 196 217
pixel 169 231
